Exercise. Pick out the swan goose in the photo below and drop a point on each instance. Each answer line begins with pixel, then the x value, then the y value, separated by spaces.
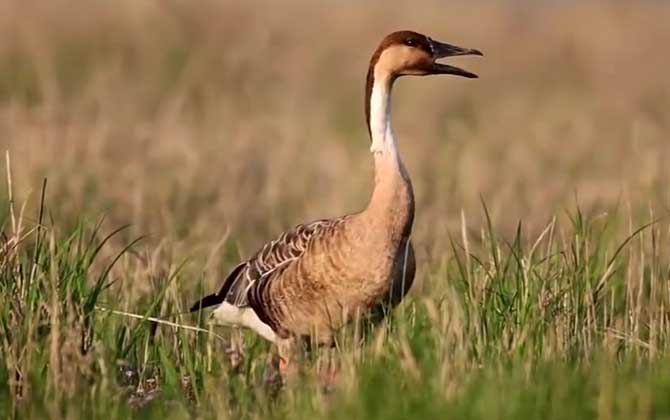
pixel 316 277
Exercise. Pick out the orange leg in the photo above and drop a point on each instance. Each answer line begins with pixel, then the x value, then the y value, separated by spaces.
pixel 283 365
pixel 287 365
pixel 329 372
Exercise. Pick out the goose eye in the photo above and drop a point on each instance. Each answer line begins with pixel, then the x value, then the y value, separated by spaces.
pixel 410 42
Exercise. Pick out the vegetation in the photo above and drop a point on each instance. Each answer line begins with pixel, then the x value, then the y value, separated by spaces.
pixel 149 147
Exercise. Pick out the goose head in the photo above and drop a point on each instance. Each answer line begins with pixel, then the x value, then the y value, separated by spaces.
pixel 408 53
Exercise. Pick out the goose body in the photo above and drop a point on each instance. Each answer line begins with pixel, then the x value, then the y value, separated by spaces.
pixel 307 282
pixel 314 278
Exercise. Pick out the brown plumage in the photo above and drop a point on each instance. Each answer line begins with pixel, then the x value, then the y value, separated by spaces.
pixel 314 278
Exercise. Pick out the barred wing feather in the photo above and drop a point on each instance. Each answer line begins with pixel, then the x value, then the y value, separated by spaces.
pixel 266 264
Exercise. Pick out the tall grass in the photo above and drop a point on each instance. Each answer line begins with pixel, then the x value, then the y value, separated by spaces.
pixel 573 322
pixel 176 139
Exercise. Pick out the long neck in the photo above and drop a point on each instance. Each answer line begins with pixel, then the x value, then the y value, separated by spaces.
pixel 392 201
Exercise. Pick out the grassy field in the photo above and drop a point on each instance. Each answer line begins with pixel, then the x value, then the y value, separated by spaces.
pixel 147 146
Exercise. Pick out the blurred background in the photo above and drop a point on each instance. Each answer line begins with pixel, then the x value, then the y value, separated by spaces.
pixel 202 121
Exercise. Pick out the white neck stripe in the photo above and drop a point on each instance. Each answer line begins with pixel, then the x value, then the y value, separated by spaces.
pixel 380 118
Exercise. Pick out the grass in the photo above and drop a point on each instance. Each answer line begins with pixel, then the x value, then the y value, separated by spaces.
pixel 571 324
pixel 176 139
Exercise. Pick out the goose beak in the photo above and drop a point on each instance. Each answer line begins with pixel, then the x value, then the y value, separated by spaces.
pixel 442 50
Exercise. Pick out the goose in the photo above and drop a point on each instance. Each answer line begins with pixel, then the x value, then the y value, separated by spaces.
pixel 318 276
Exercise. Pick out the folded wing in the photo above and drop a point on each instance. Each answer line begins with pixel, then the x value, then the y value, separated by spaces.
pixel 266 264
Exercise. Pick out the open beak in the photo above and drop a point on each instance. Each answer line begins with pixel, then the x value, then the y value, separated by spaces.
pixel 441 50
